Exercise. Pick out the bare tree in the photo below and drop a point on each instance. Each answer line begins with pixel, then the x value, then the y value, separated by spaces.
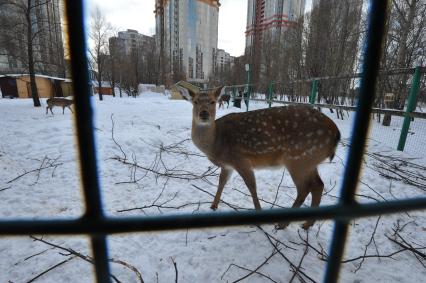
pixel 32 39
pixel 405 47
pixel 100 31
pixel 334 32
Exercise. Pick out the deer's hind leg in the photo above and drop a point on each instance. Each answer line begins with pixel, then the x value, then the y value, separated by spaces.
pixel 316 187
pixel 302 185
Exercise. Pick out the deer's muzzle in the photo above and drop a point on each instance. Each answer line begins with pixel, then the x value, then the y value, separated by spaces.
pixel 204 115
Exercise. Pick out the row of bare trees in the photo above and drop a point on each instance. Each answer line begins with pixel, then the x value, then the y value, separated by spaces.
pixel 328 42
pixel 121 69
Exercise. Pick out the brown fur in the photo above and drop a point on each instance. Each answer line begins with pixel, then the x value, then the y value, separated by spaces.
pixel 222 99
pixel 62 102
pixel 297 137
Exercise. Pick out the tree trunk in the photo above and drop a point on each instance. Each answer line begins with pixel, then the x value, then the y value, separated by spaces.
pixel 113 88
pixel 33 84
pixel 401 58
pixel 99 89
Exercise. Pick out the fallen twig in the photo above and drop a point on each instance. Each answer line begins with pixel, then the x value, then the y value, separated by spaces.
pixel 51 268
pixel 176 269
pixel 90 259
pixel 299 272
pixel 46 163
pixel 4 189
pixel 368 244
pixel 113 138
pixel 254 271
pixel 305 252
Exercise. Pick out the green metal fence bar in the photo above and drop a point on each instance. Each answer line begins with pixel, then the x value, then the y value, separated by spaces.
pixel 401 113
pixel 246 96
pixel 270 90
pixel 414 91
pixel 313 96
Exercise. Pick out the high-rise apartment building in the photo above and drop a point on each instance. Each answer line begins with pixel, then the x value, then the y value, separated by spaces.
pixel 187 35
pixel 273 16
pixel 129 40
pixel 267 20
pixel 46 37
pixel 222 60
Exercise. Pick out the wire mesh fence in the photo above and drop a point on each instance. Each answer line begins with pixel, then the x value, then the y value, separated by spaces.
pixel 340 95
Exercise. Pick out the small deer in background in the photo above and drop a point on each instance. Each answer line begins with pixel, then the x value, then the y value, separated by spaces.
pixel 224 98
pixel 297 137
pixel 62 102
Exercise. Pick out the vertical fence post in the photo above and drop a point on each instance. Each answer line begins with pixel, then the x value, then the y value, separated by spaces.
pixel 313 96
pixel 247 98
pixel 414 91
pixel 270 94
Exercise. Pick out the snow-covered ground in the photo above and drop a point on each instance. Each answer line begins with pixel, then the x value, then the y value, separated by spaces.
pixel 154 132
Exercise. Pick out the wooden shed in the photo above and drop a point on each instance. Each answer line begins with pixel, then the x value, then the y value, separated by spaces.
pixel 18 85
pixel 105 88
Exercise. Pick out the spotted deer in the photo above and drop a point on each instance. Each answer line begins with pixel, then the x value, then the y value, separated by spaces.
pixel 222 99
pixel 62 102
pixel 297 137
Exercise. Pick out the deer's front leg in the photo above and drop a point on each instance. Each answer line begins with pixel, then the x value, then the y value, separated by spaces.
pixel 223 178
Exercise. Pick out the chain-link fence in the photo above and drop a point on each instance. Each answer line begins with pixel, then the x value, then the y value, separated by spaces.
pixel 340 95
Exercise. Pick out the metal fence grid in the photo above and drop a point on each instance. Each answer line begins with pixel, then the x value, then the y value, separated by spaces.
pixel 97 226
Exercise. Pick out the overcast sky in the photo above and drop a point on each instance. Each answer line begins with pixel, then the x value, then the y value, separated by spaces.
pixel 139 15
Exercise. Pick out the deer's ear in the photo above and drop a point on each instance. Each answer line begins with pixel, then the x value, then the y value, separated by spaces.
pixel 218 91
pixel 186 93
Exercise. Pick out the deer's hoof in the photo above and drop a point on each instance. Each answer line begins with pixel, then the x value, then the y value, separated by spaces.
pixel 213 206
pixel 281 226
pixel 307 225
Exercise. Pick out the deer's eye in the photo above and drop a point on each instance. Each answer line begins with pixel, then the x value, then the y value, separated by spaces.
pixel 212 102
pixel 195 102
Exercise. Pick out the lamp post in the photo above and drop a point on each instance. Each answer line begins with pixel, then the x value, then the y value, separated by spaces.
pixel 247 96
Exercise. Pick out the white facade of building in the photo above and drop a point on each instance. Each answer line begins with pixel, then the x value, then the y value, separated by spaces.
pixel 130 39
pixel 189 30
pixel 222 60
